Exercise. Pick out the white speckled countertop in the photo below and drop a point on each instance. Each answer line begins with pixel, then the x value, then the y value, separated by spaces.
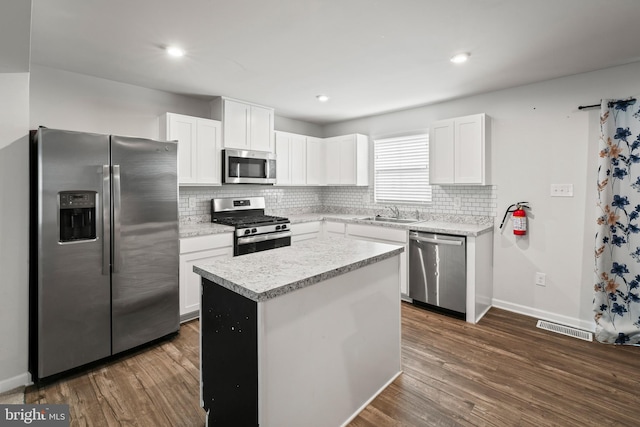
pixel 203 229
pixel 263 275
pixel 460 229
pixel 457 228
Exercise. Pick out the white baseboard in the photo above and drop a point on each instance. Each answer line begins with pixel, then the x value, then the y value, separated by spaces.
pixel 15 382
pixel 365 404
pixel 546 315
pixel 481 315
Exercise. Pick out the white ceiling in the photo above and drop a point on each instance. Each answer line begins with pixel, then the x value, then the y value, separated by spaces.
pixel 369 56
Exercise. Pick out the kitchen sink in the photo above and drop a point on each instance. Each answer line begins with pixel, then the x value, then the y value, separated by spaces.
pixel 389 219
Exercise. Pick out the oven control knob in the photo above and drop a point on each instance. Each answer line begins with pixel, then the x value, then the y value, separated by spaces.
pixel 253 230
pixel 277 227
pixel 247 231
pixel 284 226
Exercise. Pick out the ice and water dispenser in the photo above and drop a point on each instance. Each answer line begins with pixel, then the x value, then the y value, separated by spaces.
pixel 77 215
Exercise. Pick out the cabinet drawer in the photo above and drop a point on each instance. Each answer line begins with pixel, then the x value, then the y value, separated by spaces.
pixel 204 243
pixel 305 227
pixel 378 233
pixel 334 227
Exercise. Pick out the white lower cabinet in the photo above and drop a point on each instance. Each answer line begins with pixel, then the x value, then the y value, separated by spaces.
pixel 199 250
pixel 305 231
pixel 388 235
pixel 333 228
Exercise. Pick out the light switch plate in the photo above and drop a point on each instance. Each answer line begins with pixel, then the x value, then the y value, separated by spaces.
pixel 561 190
pixel 192 202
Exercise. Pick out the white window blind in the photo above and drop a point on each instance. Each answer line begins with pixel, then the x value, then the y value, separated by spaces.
pixel 402 169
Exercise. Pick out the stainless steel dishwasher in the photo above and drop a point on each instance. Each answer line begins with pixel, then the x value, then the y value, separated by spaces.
pixel 438 271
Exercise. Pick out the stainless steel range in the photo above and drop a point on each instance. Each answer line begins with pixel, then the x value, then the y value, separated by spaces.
pixel 255 231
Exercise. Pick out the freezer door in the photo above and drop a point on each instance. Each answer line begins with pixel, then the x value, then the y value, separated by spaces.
pixel 71 306
pixel 145 295
pixel 437 270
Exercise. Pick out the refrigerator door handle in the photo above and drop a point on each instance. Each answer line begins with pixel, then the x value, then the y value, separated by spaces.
pixel 106 250
pixel 116 218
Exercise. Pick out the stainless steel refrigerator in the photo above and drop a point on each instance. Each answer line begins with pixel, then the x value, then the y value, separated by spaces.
pixel 103 247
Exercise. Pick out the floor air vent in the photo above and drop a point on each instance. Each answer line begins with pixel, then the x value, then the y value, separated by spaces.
pixel 565 330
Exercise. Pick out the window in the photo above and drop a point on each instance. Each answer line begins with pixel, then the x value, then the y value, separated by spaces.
pixel 401 167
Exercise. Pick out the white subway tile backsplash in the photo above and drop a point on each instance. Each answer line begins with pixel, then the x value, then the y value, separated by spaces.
pixel 476 201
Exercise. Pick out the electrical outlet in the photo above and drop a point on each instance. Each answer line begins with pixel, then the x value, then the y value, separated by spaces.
pixel 457 203
pixel 365 199
pixel 561 190
pixel 541 279
pixel 192 202
pixel 279 198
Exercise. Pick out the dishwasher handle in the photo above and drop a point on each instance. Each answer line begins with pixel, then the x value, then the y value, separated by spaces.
pixel 435 241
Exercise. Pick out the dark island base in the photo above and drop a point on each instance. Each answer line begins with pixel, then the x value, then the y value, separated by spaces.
pixel 229 333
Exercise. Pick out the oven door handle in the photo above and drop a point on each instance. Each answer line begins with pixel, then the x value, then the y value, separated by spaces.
pixel 263 237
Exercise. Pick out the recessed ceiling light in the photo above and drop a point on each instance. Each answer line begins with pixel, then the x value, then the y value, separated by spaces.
pixel 175 51
pixel 322 98
pixel 460 58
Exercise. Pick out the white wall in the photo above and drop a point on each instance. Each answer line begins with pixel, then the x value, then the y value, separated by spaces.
pixel 539 137
pixel 285 124
pixel 65 100
pixel 14 229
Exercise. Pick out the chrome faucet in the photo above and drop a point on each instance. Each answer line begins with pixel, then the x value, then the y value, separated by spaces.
pixel 395 211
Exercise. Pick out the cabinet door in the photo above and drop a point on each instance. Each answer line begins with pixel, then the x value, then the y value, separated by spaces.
pixel 441 152
pixel 208 152
pixel 183 129
pixel 469 150
pixel 283 159
pixel 236 125
pixel 305 231
pixel 261 128
pixel 190 281
pixel 348 166
pixel 384 235
pixel 333 161
pixel 298 150
pixel 316 159
pixel 334 228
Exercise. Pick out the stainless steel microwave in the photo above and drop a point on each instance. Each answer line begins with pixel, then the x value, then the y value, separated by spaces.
pixel 248 167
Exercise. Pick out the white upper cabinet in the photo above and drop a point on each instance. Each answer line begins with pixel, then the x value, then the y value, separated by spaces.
pixel 347 160
pixel 199 147
pixel 459 151
pixel 291 159
pixel 245 126
pixel 261 128
pixel 316 161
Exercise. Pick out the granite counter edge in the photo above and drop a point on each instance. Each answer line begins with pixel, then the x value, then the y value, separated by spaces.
pixel 299 284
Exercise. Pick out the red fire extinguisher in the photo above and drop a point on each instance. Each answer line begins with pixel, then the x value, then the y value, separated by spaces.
pixel 519 218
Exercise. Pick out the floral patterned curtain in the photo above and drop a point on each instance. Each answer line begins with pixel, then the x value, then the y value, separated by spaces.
pixel 617 246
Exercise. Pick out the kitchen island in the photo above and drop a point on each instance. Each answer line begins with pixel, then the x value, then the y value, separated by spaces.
pixel 299 336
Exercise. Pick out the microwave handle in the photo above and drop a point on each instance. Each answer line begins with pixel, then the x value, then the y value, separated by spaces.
pixel 270 169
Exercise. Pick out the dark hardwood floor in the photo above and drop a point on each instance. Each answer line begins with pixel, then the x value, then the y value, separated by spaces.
pixel 501 372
